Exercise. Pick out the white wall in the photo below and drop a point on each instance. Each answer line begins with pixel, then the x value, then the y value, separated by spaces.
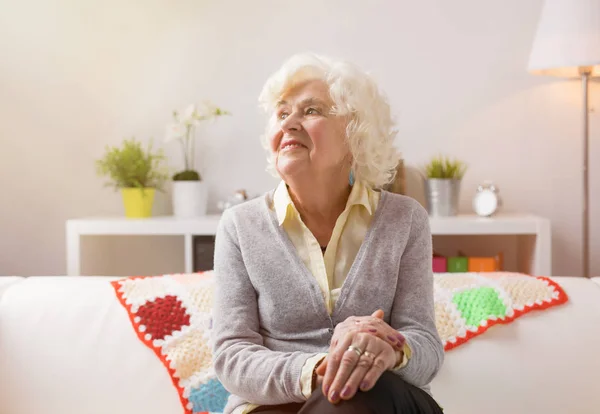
pixel 75 76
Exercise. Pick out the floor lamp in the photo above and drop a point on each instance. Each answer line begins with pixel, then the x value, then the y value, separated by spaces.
pixel 567 44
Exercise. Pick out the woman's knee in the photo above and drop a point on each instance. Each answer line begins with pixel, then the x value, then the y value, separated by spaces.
pixel 406 398
pixel 390 394
pixel 319 404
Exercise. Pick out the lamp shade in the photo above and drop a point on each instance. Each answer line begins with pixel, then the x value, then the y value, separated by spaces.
pixel 567 38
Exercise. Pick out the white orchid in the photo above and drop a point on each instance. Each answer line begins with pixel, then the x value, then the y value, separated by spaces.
pixel 183 129
pixel 175 131
pixel 190 116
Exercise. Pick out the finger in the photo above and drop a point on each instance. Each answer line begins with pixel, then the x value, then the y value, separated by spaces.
pixel 333 362
pixel 357 376
pixel 322 367
pixel 319 381
pixel 388 334
pixel 385 332
pixel 372 375
pixel 395 339
pixel 378 314
pixel 348 365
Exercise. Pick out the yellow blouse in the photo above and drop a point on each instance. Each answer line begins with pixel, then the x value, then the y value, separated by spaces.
pixel 330 269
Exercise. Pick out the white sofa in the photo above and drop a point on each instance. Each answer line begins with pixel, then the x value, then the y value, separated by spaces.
pixel 67 346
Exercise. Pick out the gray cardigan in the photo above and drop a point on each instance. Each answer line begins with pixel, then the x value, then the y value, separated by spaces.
pixel 269 313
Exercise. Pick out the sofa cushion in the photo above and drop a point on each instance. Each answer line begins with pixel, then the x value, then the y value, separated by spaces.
pixel 171 315
pixel 66 345
pixel 7 281
pixel 546 362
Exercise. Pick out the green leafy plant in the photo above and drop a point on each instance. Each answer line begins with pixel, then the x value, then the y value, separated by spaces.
pixel 183 129
pixel 132 166
pixel 444 167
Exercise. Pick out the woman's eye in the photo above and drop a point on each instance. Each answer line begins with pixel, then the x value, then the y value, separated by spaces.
pixel 311 111
pixel 282 115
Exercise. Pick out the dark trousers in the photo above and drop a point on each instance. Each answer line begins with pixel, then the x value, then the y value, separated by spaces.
pixel 390 395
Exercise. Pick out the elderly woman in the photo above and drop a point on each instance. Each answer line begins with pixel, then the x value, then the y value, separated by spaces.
pixel 324 287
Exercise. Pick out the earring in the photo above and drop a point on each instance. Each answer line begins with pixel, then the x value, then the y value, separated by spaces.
pixel 351 178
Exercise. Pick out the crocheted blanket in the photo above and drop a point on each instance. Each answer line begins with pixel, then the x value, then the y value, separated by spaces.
pixel 171 314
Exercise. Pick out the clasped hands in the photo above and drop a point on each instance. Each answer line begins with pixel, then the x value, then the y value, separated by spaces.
pixel 362 348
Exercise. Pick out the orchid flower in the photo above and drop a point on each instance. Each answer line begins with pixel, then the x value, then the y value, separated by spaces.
pixel 183 128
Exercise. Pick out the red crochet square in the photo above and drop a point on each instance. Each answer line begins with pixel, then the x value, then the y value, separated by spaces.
pixel 163 316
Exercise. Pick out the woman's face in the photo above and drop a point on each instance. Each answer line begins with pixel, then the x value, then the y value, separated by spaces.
pixel 306 138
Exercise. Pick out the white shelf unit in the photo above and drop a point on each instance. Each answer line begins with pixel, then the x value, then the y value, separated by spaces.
pixel 534 248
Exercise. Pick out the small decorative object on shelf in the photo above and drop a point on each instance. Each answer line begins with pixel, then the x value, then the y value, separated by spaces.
pixel 237 198
pixel 442 186
pixel 439 263
pixel 136 172
pixel 461 263
pixel 487 199
pixel 458 264
pixel 486 264
pixel 190 192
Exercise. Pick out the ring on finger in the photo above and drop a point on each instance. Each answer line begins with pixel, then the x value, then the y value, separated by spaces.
pixel 355 349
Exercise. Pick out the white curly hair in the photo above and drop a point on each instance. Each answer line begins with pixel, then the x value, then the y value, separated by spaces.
pixel 370 131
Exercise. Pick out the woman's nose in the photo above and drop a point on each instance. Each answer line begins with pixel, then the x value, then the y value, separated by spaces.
pixel 291 122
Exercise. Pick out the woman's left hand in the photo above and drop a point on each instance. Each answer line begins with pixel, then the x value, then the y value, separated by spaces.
pixel 374 324
pixel 357 358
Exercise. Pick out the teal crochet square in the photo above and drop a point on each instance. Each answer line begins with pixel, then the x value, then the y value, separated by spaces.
pixel 210 396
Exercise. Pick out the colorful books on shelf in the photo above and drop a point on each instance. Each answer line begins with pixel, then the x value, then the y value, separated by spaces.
pixel 463 263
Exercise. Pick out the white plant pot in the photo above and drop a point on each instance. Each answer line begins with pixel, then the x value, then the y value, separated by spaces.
pixel 189 198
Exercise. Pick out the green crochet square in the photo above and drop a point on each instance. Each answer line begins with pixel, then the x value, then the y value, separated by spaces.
pixel 477 305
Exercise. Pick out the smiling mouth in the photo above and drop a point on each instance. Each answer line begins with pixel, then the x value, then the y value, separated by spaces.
pixel 291 146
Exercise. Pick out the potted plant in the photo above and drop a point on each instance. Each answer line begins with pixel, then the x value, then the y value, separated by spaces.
pixel 190 192
pixel 137 172
pixel 442 185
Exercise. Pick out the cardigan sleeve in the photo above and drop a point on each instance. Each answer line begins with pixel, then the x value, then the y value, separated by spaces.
pixel 242 363
pixel 413 313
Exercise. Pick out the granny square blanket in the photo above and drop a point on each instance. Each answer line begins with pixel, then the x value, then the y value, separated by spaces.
pixel 171 314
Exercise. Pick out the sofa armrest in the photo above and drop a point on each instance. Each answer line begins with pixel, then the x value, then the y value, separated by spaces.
pixel 7 281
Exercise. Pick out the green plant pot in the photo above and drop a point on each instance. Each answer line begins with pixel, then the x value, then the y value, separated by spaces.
pixel 138 202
